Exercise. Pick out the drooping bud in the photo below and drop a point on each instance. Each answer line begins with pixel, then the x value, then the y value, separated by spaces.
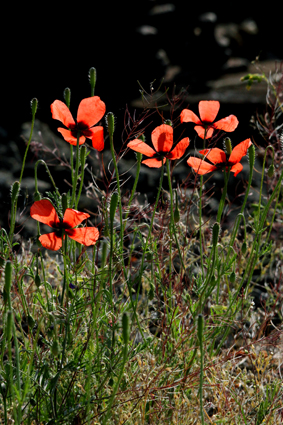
pixel 244 248
pixel 37 280
pixel 232 277
pixel 270 171
pixel 67 96
pixel 228 145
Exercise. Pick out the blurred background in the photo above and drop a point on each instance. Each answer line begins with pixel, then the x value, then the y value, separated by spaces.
pixel 205 50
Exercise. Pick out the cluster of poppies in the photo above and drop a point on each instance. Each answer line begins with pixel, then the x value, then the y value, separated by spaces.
pixel 90 112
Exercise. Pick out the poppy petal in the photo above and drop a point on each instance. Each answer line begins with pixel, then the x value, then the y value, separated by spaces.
pixel 67 135
pixel 214 155
pixel 138 145
pixel 154 162
pixel 179 149
pixel 84 235
pixel 162 138
pixel 200 166
pixel 61 112
pixel 51 241
pixel 237 168
pixel 208 109
pixel 239 151
pixel 97 138
pixel 90 111
pixel 201 132
pixel 73 218
pixel 229 123
pixel 44 212
pixel 189 116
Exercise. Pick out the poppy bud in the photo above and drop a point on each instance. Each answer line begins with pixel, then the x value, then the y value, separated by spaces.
pixel 64 202
pixel 251 156
pixel 168 122
pixel 15 189
pixel 232 277
pixel 126 328
pixel 215 234
pixel 55 348
pixel 37 280
pixel 67 96
pixel 33 104
pixel 244 248
pixel 36 196
pixel 270 171
pixel 110 123
pixel 228 145
pixel 92 77
pixel 200 327
pixel 31 321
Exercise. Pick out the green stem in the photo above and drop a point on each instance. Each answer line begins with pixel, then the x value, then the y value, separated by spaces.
pixel 200 338
pixel 139 158
pixel 223 197
pixel 75 181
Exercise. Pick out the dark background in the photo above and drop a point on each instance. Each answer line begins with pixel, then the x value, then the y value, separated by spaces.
pixel 51 46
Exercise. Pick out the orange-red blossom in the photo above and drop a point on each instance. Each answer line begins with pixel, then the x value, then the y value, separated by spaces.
pixel 219 159
pixel 208 110
pixel 44 212
pixel 162 140
pixel 90 112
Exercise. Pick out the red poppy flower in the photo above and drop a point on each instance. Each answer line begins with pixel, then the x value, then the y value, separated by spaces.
pixel 208 109
pixel 219 159
pixel 44 212
pixel 162 140
pixel 90 111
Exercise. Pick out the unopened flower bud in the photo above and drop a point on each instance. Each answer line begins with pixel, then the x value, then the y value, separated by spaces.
pixel 33 104
pixel 67 96
pixel 232 277
pixel 92 77
pixel 228 145
pixel 110 123
pixel 126 328
pixel 270 171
